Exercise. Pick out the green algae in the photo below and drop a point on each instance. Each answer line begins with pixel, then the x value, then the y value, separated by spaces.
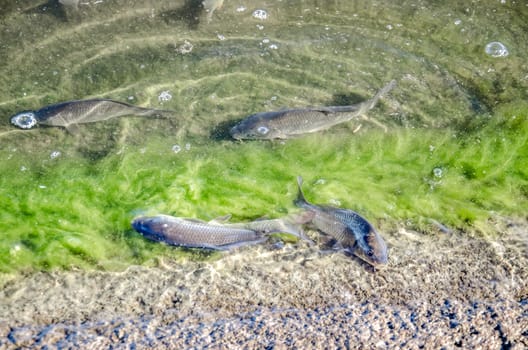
pixel 74 212
pixel 454 153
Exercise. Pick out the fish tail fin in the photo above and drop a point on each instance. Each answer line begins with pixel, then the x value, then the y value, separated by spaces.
pixel 292 224
pixel 374 100
pixel 157 113
pixel 300 201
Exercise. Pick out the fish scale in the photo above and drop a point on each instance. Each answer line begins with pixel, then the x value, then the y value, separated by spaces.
pixel 191 233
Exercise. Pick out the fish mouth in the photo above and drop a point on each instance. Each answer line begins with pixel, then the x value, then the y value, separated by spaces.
pixel 377 261
pixel 138 224
pixel 143 226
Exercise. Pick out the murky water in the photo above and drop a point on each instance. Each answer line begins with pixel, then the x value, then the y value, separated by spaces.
pixel 445 151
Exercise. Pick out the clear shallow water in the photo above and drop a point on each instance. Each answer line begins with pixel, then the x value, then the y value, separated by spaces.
pixel 453 152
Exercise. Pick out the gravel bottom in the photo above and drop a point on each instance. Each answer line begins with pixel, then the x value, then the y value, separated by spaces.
pixel 443 290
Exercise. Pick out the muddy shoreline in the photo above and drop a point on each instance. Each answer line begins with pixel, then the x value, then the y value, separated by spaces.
pixel 438 290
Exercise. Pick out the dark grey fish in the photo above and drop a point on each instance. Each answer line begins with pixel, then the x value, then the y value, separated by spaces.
pixel 355 234
pixel 292 122
pixel 68 114
pixel 214 235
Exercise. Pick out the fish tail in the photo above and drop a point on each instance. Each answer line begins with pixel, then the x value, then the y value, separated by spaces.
pixel 149 112
pixel 300 201
pixel 373 101
pixel 293 224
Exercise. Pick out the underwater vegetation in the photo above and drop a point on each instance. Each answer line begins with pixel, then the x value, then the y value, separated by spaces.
pixel 453 156
pixel 63 209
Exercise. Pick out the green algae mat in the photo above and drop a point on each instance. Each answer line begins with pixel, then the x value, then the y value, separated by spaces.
pixel 445 151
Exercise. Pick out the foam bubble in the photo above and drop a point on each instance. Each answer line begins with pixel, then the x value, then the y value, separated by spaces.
pixel 260 14
pixel 55 154
pixel 164 96
pixel 496 49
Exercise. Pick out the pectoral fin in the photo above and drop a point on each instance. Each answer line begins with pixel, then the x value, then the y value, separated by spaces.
pixel 73 129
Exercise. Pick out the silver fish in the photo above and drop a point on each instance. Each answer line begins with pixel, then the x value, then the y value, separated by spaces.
pixel 355 234
pixel 68 114
pixel 215 235
pixel 292 122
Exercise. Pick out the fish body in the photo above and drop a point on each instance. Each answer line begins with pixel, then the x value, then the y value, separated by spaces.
pixel 353 232
pixel 292 122
pixel 210 235
pixel 66 114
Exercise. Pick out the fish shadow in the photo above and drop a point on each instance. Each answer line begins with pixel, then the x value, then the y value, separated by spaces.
pixel 189 13
pixel 346 99
pixel 221 131
pixel 52 7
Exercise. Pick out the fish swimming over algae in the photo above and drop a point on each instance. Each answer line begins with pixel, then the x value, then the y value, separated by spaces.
pixel 293 122
pixel 216 234
pixel 69 114
pixel 352 232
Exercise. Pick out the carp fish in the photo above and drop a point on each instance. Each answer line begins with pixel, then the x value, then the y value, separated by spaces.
pixel 350 230
pixel 68 114
pixel 293 122
pixel 216 234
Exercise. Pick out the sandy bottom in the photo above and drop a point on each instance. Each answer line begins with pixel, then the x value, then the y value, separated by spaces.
pixel 442 290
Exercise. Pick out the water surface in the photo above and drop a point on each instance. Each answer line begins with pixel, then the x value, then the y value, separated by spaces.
pixel 451 152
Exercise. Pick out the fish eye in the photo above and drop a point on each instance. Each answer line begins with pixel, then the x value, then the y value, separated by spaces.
pixel 370 252
pixel 25 120
pixel 262 130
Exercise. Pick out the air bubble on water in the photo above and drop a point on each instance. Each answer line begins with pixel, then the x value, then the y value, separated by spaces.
pixel 438 172
pixel 176 148
pixel 496 49
pixel 260 27
pixel 265 41
pixel 431 148
pixel 130 98
pixel 241 9
pixel 23 168
pixel 274 98
pixel 188 146
pixel 15 249
pixel 320 182
pixel 220 37
pixel 164 96
pixel 55 154
pixel 260 14
pixel 274 47
pixel 42 186
pixel 457 22
pixel 186 47
pixel 389 26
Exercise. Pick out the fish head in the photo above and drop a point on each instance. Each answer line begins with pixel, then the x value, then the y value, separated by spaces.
pixel 24 120
pixel 256 126
pixel 371 248
pixel 149 226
